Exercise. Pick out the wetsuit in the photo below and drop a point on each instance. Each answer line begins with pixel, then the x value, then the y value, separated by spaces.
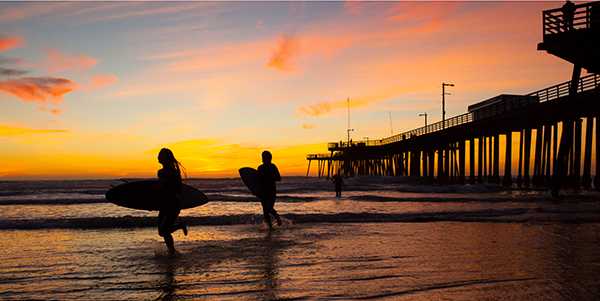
pixel 269 174
pixel 171 206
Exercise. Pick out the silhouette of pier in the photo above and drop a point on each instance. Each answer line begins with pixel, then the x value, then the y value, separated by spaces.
pixel 548 126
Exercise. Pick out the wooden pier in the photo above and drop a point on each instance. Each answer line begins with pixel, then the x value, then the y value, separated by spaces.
pixel 551 134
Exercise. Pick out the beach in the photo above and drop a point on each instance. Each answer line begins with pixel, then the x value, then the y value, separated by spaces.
pixel 487 243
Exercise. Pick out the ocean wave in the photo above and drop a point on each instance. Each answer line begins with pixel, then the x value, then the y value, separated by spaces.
pixel 536 215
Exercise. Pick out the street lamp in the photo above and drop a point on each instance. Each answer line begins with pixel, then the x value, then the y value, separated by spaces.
pixel 425 114
pixel 349 130
pixel 444 103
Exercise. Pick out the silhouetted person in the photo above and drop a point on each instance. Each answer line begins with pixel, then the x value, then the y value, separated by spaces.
pixel 568 10
pixel 338 181
pixel 170 177
pixel 268 191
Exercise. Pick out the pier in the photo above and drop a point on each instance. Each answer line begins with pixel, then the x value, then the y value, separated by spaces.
pixel 546 138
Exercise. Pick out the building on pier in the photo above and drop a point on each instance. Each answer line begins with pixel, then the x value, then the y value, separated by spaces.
pixel 548 126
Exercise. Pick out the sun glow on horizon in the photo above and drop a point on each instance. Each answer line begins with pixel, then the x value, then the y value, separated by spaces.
pixel 95 89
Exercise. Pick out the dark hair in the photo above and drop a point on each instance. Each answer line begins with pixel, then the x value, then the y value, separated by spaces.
pixel 172 161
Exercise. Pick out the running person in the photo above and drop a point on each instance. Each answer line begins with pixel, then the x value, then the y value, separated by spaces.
pixel 269 175
pixel 170 177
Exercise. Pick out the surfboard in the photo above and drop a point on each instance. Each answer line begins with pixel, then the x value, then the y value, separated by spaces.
pixel 251 178
pixel 146 195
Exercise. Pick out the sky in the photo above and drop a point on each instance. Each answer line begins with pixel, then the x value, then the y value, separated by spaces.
pixel 93 90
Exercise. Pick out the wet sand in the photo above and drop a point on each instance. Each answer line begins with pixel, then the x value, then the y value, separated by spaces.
pixel 312 261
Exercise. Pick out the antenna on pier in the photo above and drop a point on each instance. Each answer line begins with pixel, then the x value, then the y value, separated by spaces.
pixel 349 129
pixel 391 127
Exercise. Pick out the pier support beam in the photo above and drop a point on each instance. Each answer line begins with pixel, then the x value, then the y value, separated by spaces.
pixel 496 178
pixel 461 162
pixel 575 177
pixel 507 181
pixel 566 141
pixel 586 180
pixel 527 158
pixel 480 160
pixel 597 177
pixel 520 169
pixel 472 161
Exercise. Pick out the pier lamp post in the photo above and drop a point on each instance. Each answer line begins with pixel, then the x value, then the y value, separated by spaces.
pixel 425 114
pixel 444 103
pixel 349 130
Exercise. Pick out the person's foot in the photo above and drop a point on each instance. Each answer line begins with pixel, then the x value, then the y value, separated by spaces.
pixel 184 228
pixel 279 222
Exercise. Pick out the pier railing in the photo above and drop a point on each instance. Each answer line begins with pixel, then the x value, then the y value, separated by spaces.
pixel 585 15
pixel 586 83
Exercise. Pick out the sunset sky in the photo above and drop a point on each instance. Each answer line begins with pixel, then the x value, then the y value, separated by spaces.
pixel 95 89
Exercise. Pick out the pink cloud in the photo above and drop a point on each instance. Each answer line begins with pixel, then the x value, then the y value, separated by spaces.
pixel 58 61
pixel 100 81
pixel 7 43
pixel 289 47
pixel 38 89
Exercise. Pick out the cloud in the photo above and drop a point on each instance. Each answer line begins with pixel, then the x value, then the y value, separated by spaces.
pixel 58 112
pixel 316 109
pixel 58 61
pixel 308 126
pixel 289 47
pixel 100 81
pixel 324 107
pixel 8 131
pixel 38 89
pixel 11 72
pixel 7 43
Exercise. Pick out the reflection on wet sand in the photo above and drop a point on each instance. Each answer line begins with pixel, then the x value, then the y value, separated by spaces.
pixel 252 262
pixel 316 261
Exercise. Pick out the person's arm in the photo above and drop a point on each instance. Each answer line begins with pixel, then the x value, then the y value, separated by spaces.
pixel 276 175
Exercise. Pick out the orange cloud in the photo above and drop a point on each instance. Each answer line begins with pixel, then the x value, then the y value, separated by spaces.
pixel 308 126
pixel 58 61
pixel 7 43
pixel 314 110
pixel 38 89
pixel 7 131
pixel 324 107
pixel 289 47
pixel 100 81
pixel 57 112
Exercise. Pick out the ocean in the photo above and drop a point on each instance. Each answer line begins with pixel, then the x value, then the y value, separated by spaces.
pixel 386 238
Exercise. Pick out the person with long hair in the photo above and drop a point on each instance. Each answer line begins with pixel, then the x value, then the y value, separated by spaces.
pixel 170 177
